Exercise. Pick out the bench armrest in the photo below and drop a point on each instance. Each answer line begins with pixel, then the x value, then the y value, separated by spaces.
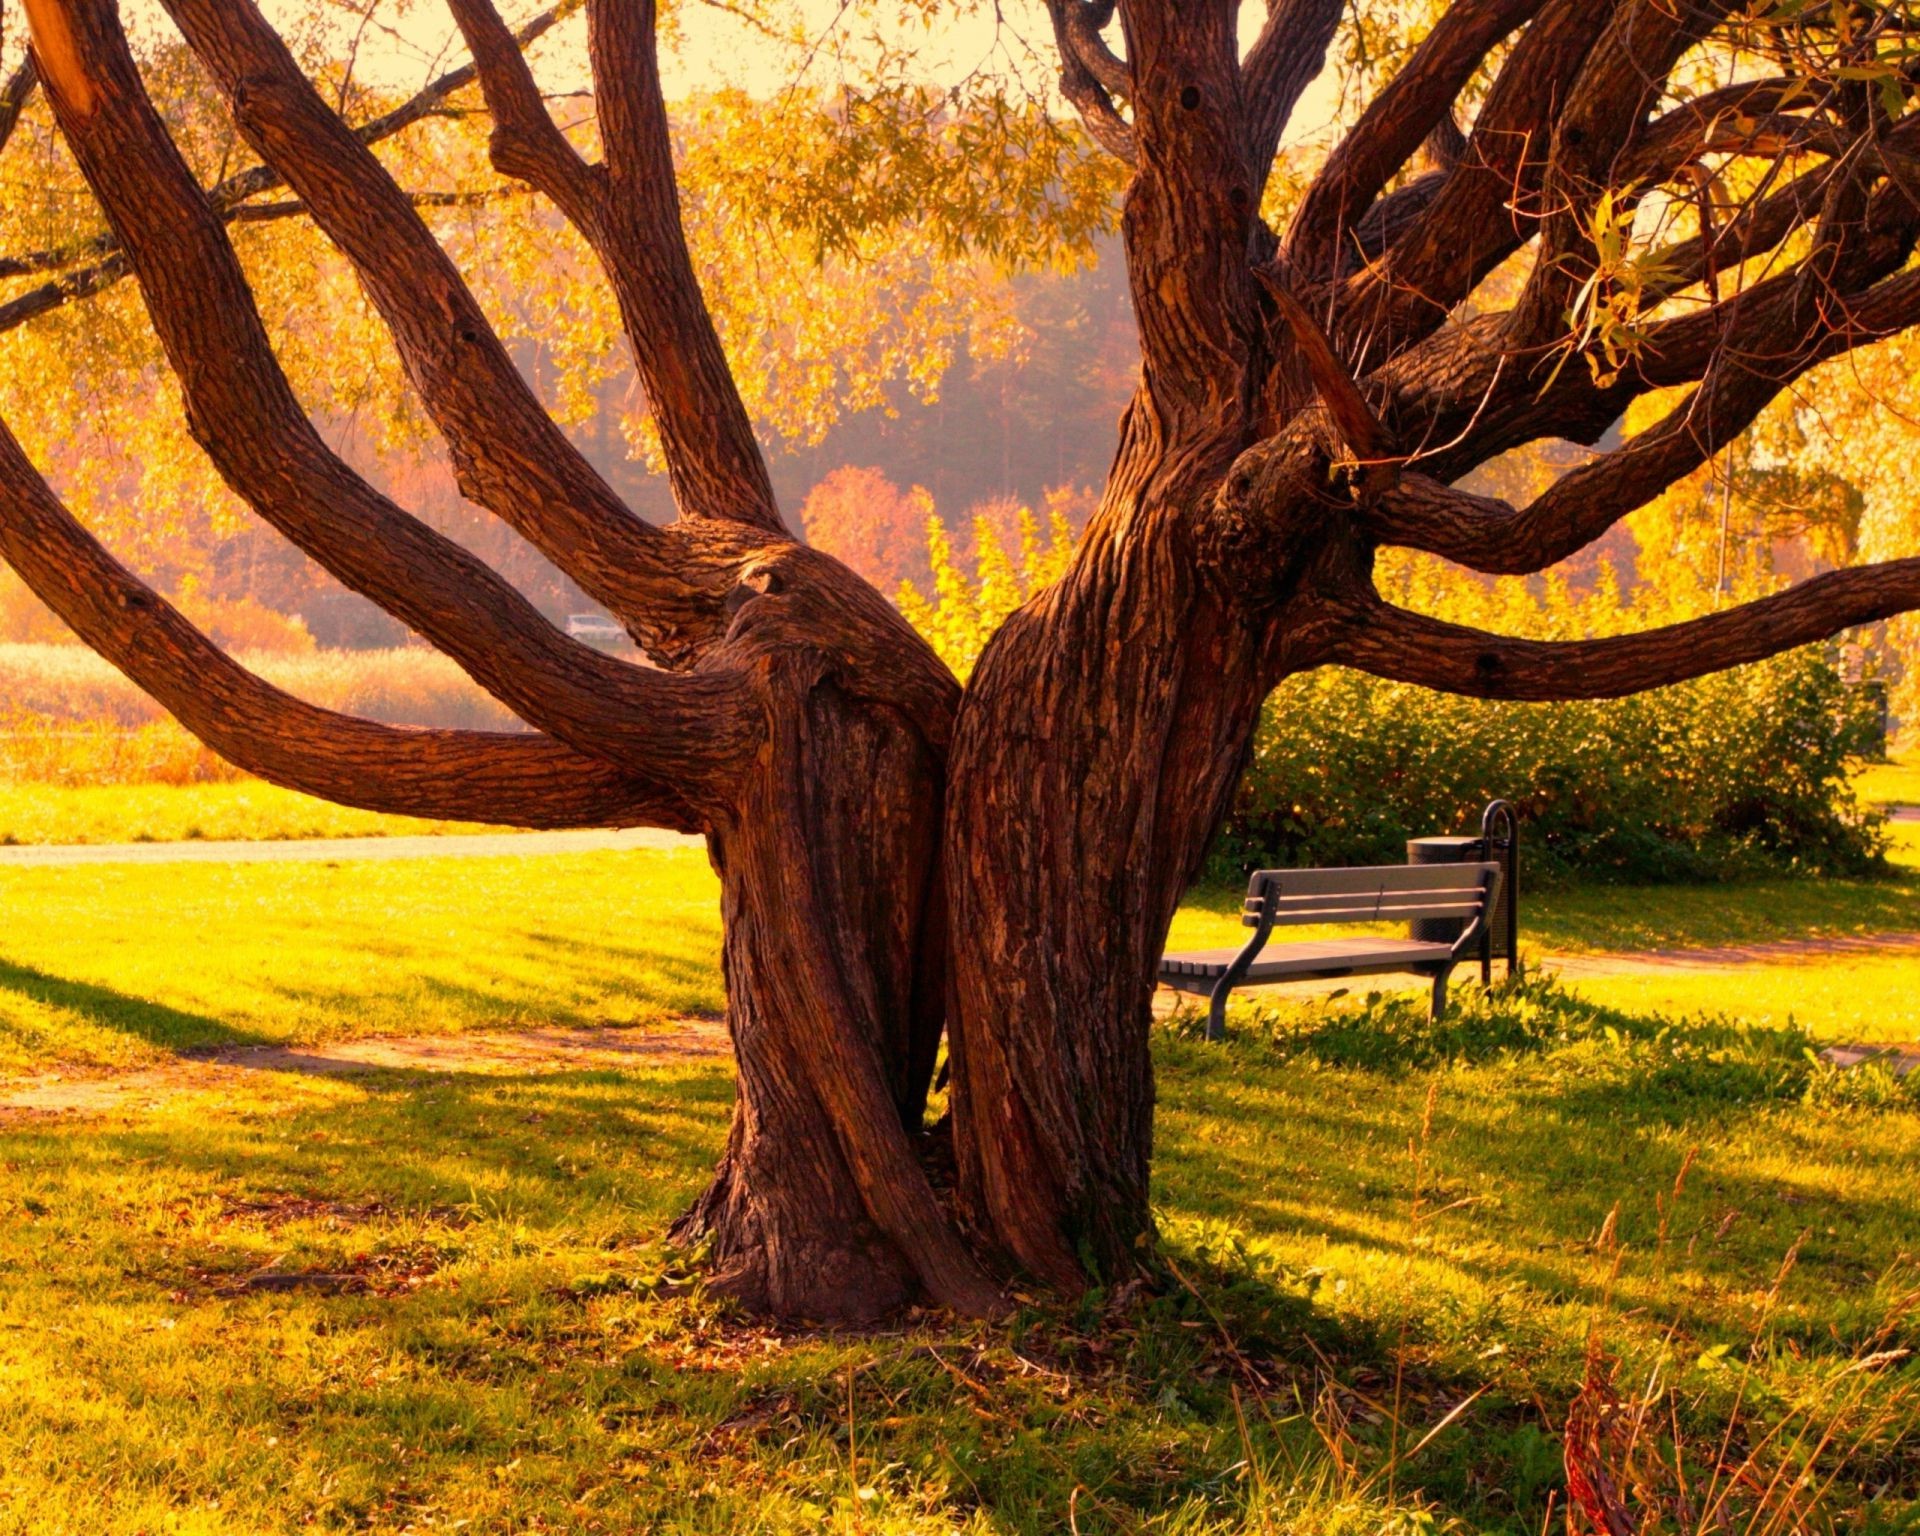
pixel 1471 935
pixel 1237 971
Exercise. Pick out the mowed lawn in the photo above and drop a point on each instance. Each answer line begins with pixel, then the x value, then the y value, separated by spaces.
pixel 118 964
pixel 400 1302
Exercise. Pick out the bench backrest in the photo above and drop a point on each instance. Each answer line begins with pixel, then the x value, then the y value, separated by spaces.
pixel 1372 893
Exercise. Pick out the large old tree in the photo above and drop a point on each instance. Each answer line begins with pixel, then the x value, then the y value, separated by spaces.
pixel 1678 196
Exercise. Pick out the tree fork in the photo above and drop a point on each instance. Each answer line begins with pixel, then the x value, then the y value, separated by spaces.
pixel 834 963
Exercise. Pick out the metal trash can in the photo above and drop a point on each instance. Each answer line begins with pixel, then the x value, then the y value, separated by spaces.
pixel 1498 842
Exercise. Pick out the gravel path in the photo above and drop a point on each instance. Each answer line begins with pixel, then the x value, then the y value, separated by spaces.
pixel 334 850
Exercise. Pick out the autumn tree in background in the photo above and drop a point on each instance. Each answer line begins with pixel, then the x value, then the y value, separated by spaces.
pixel 861 518
pixel 1702 197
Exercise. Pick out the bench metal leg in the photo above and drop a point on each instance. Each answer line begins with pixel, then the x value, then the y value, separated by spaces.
pixel 1438 1006
pixel 1217 1007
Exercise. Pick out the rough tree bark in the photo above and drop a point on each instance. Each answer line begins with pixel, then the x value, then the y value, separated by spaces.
pixel 901 860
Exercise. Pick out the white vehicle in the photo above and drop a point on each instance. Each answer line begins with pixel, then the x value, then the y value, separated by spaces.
pixel 597 630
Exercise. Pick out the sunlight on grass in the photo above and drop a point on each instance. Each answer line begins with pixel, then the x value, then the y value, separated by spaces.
pixel 1863 998
pixel 401 1301
pixel 1369 1223
pixel 1892 783
pixel 119 963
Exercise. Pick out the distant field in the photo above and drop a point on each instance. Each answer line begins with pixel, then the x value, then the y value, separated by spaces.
pixel 1894 783
pixel 409 686
pixel 244 811
pixel 67 718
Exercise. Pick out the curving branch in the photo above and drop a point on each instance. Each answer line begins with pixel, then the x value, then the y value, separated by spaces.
pixel 1722 121
pixel 508 454
pixel 629 212
pixel 241 409
pixel 1393 642
pixel 100 253
pixel 63 290
pixel 519 780
pixel 526 144
pixel 1283 61
pixel 1091 76
pixel 1414 103
pixel 1623 78
pixel 1488 205
pixel 1492 535
pixel 89 252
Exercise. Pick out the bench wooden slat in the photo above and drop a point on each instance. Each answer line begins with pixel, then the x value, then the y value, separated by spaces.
pixel 1343 909
pixel 1368 893
pixel 1305 959
pixel 1368 877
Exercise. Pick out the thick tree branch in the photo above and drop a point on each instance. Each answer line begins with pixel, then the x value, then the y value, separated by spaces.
pixel 1744 377
pixel 1417 100
pixel 713 458
pixel 529 781
pixel 1283 61
pixel 693 728
pixel 1409 647
pixel 14 97
pixel 1091 75
pixel 1623 77
pixel 527 144
pixel 629 211
pixel 1489 204
pixel 1187 222
pixel 508 454
pixel 1718 122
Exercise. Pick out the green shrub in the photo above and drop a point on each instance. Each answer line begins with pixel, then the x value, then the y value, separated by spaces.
pixel 1737 774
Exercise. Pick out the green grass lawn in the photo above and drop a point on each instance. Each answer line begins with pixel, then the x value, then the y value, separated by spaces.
pixel 1893 783
pixel 1373 1225
pixel 115 964
pixel 1370 1229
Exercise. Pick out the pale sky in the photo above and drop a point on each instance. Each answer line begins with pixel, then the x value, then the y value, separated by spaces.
pixel 409 42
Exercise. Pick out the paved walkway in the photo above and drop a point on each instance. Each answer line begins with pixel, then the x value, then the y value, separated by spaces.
pixel 334 850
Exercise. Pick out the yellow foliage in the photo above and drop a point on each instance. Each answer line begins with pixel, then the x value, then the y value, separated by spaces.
pixel 965 611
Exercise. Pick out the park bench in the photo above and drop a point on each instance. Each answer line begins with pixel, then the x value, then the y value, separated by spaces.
pixel 1449 906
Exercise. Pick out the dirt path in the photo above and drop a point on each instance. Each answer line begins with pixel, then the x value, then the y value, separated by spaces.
pixel 334 850
pixel 1728 957
pixel 210 1071
pixel 1717 960
pixel 200 1072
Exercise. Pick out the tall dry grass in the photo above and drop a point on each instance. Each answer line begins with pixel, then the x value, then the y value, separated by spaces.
pixel 67 717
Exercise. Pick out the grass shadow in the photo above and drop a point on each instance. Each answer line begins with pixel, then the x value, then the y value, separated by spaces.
pixel 138 1017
